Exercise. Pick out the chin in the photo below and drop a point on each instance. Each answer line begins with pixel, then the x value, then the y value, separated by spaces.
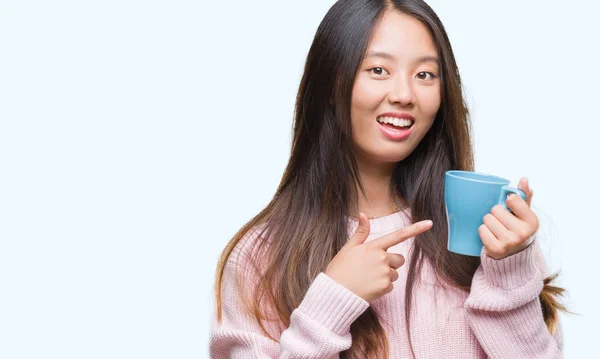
pixel 393 157
pixel 394 152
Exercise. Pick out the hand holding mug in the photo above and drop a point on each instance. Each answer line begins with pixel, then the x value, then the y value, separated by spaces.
pixel 504 233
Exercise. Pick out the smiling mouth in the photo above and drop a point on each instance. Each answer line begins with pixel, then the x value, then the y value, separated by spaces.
pixel 395 123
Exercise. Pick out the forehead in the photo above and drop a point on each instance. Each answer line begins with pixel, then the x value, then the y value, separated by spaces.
pixel 402 35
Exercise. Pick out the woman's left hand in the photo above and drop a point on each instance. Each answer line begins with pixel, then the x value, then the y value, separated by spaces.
pixel 504 233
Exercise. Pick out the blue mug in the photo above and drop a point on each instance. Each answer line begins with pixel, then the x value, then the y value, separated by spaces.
pixel 469 196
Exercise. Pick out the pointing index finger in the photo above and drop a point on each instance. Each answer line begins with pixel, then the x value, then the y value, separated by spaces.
pixel 402 234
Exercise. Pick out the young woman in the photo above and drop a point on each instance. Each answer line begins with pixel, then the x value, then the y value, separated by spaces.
pixel 349 259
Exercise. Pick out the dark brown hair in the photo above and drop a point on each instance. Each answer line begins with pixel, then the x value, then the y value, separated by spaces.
pixel 304 225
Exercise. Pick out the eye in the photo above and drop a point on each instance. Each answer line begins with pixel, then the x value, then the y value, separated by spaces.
pixel 431 75
pixel 378 71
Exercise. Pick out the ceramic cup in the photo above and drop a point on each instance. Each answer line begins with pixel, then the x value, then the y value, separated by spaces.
pixel 469 196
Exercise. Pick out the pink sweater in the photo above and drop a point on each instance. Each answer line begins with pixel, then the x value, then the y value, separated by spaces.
pixel 500 318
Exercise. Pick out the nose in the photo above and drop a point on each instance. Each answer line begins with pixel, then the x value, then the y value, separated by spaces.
pixel 401 93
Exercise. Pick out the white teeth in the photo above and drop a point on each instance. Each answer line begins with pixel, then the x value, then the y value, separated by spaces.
pixel 395 121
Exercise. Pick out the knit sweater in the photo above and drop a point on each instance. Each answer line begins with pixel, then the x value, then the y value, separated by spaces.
pixel 501 317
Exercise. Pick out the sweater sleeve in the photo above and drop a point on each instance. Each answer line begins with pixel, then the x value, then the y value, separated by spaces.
pixel 319 326
pixel 504 310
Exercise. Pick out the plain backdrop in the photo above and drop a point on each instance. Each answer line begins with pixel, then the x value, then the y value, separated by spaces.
pixel 136 137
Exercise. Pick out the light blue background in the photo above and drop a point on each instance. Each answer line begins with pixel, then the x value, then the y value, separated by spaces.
pixel 136 137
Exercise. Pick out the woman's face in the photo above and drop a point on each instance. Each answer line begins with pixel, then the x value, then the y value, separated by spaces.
pixel 398 78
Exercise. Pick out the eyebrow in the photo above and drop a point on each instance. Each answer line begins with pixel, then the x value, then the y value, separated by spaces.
pixel 385 55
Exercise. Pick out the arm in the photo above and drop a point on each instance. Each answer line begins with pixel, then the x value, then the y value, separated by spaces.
pixel 504 308
pixel 319 327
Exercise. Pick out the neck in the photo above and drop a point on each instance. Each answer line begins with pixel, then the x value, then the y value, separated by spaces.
pixel 378 199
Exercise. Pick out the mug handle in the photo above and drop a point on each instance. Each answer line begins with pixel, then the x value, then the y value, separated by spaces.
pixel 506 190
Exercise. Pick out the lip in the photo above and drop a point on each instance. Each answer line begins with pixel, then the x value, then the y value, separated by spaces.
pixel 394 134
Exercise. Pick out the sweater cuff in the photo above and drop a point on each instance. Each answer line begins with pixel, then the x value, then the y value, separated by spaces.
pixel 332 305
pixel 511 272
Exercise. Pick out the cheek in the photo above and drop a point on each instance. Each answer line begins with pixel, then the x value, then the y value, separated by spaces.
pixel 429 104
pixel 365 99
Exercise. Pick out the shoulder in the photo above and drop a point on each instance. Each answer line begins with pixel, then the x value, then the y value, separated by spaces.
pixel 249 249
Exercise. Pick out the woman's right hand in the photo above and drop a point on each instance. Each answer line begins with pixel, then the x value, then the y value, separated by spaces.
pixel 367 269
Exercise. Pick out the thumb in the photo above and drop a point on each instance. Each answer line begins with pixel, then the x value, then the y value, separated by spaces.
pixel 524 186
pixel 361 233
